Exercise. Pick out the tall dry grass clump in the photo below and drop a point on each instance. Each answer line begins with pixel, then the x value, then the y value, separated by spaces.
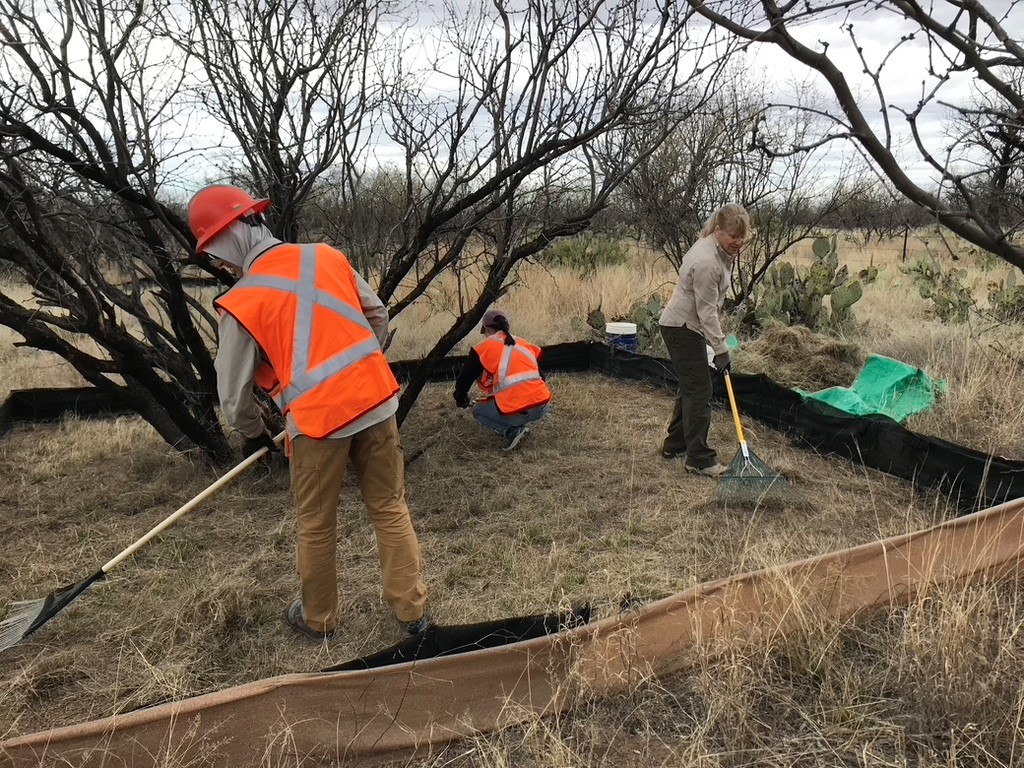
pixel 547 305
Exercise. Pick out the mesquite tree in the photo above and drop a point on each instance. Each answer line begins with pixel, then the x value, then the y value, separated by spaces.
pixel 966 44
pixel 111 116
pixel 514 122
pixel 536 112
pixel 88 130
pixel 719 154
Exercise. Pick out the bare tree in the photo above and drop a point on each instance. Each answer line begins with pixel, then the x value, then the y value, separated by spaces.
pixel 533 114
pixel 991 134
pixel 964 39
pixel 289 80
pixel 87 126
pixel 726 151
pixel 103 107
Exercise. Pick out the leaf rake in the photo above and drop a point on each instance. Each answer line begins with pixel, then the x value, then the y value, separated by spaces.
pixel 749 480
pixel 26 616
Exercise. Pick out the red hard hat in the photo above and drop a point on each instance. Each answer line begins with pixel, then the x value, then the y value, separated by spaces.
pixel 212 209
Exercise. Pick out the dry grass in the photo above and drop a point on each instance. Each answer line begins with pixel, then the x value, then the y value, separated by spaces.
pixel 935 684
pixel 598 514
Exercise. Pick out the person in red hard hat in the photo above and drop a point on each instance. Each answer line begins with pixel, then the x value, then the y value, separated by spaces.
pixel 507 371
pixel 301 324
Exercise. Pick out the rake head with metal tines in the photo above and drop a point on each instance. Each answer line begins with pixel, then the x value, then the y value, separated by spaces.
pixel 26 616
pixel 748 479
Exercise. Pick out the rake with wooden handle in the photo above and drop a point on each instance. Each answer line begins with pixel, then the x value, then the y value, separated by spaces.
pixel 749 480
pixel 26 616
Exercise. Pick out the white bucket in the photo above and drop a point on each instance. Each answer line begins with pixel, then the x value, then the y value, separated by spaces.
pixel 622 337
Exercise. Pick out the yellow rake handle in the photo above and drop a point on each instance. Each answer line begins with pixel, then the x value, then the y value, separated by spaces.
pixel 735 413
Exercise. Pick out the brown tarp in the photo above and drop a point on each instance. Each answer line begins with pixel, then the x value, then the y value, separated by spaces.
pixel 371 716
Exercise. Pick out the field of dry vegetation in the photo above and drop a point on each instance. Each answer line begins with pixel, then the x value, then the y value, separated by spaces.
pixel 594 513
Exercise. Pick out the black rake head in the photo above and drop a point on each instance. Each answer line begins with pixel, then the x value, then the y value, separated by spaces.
pixel 26 616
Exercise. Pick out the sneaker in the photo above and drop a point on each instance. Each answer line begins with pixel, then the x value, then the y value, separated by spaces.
pixel 294 617
pixel 517 435
pixel 413 628
pixel 673 454
pixel 715 470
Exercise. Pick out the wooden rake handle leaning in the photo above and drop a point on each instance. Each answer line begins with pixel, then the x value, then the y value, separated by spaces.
pixel 26 616
pixel 736 416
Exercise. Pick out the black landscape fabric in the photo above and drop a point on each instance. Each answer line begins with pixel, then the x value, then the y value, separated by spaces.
pixel 449 640
pixel 973 480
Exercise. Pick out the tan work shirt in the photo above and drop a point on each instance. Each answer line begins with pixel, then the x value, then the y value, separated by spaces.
pixel 700 293
pixel 238 358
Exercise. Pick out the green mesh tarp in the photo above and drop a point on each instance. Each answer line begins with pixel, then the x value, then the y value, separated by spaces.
pixel 884 386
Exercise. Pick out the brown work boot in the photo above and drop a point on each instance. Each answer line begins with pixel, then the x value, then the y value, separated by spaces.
pixel 298 622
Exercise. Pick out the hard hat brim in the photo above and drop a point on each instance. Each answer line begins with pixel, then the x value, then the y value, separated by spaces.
pixel 258 206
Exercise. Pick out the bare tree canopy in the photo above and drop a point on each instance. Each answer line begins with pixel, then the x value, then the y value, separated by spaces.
pixel 712 158
pixel 963 43
pixel 545 110
pixel 514 122
pixel 88 123
pixel 104 111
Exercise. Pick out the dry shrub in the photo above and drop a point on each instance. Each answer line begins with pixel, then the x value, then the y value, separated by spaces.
pixel 795 356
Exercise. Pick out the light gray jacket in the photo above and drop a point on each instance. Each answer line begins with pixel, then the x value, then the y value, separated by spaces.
pixel 700 293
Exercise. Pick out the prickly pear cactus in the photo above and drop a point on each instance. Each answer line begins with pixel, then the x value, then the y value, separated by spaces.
pixel 645 315
pixel 795 297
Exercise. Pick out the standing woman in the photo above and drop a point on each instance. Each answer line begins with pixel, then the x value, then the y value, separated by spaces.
pixel 507 370
pixel 693 319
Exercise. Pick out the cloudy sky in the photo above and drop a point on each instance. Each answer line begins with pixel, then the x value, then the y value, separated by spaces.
pixel 901 59
pixel 878 31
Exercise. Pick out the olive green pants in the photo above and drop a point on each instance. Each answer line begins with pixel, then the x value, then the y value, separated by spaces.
pixel 691 413
pixel 317 474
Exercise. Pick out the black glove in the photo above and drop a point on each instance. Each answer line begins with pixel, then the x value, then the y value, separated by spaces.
pixel 253 444
pixel 723 362
pixel 461 402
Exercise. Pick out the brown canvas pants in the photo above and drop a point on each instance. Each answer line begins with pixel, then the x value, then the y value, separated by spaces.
pixel 318 473
pixel 691 413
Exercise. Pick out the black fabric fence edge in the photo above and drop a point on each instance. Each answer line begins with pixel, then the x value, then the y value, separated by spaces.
pixel 47 404
pixel 972 480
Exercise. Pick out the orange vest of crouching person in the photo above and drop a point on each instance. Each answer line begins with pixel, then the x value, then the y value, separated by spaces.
pixel 323 364
pixel 511 374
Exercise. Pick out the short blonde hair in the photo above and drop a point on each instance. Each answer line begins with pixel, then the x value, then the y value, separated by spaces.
pixel 731 218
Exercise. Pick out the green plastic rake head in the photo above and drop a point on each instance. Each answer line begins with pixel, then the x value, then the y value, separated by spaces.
pixel 749 480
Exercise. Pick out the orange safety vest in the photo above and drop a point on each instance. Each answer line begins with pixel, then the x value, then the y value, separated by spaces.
pixel 322 362
pixel 511 374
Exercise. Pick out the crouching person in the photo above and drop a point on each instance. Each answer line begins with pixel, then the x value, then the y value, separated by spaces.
pixel 303 325
pixel 507 370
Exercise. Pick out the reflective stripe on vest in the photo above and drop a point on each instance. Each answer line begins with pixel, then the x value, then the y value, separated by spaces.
pixel 301 305
pixel 516 383
pixel 502 380
pixel 309 296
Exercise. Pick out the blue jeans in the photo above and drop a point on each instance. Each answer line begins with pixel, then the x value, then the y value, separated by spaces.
pixel 489 416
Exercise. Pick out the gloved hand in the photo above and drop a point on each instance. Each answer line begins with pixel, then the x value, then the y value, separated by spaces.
pixel 723 362
pixel 253 444
pixel 461 402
